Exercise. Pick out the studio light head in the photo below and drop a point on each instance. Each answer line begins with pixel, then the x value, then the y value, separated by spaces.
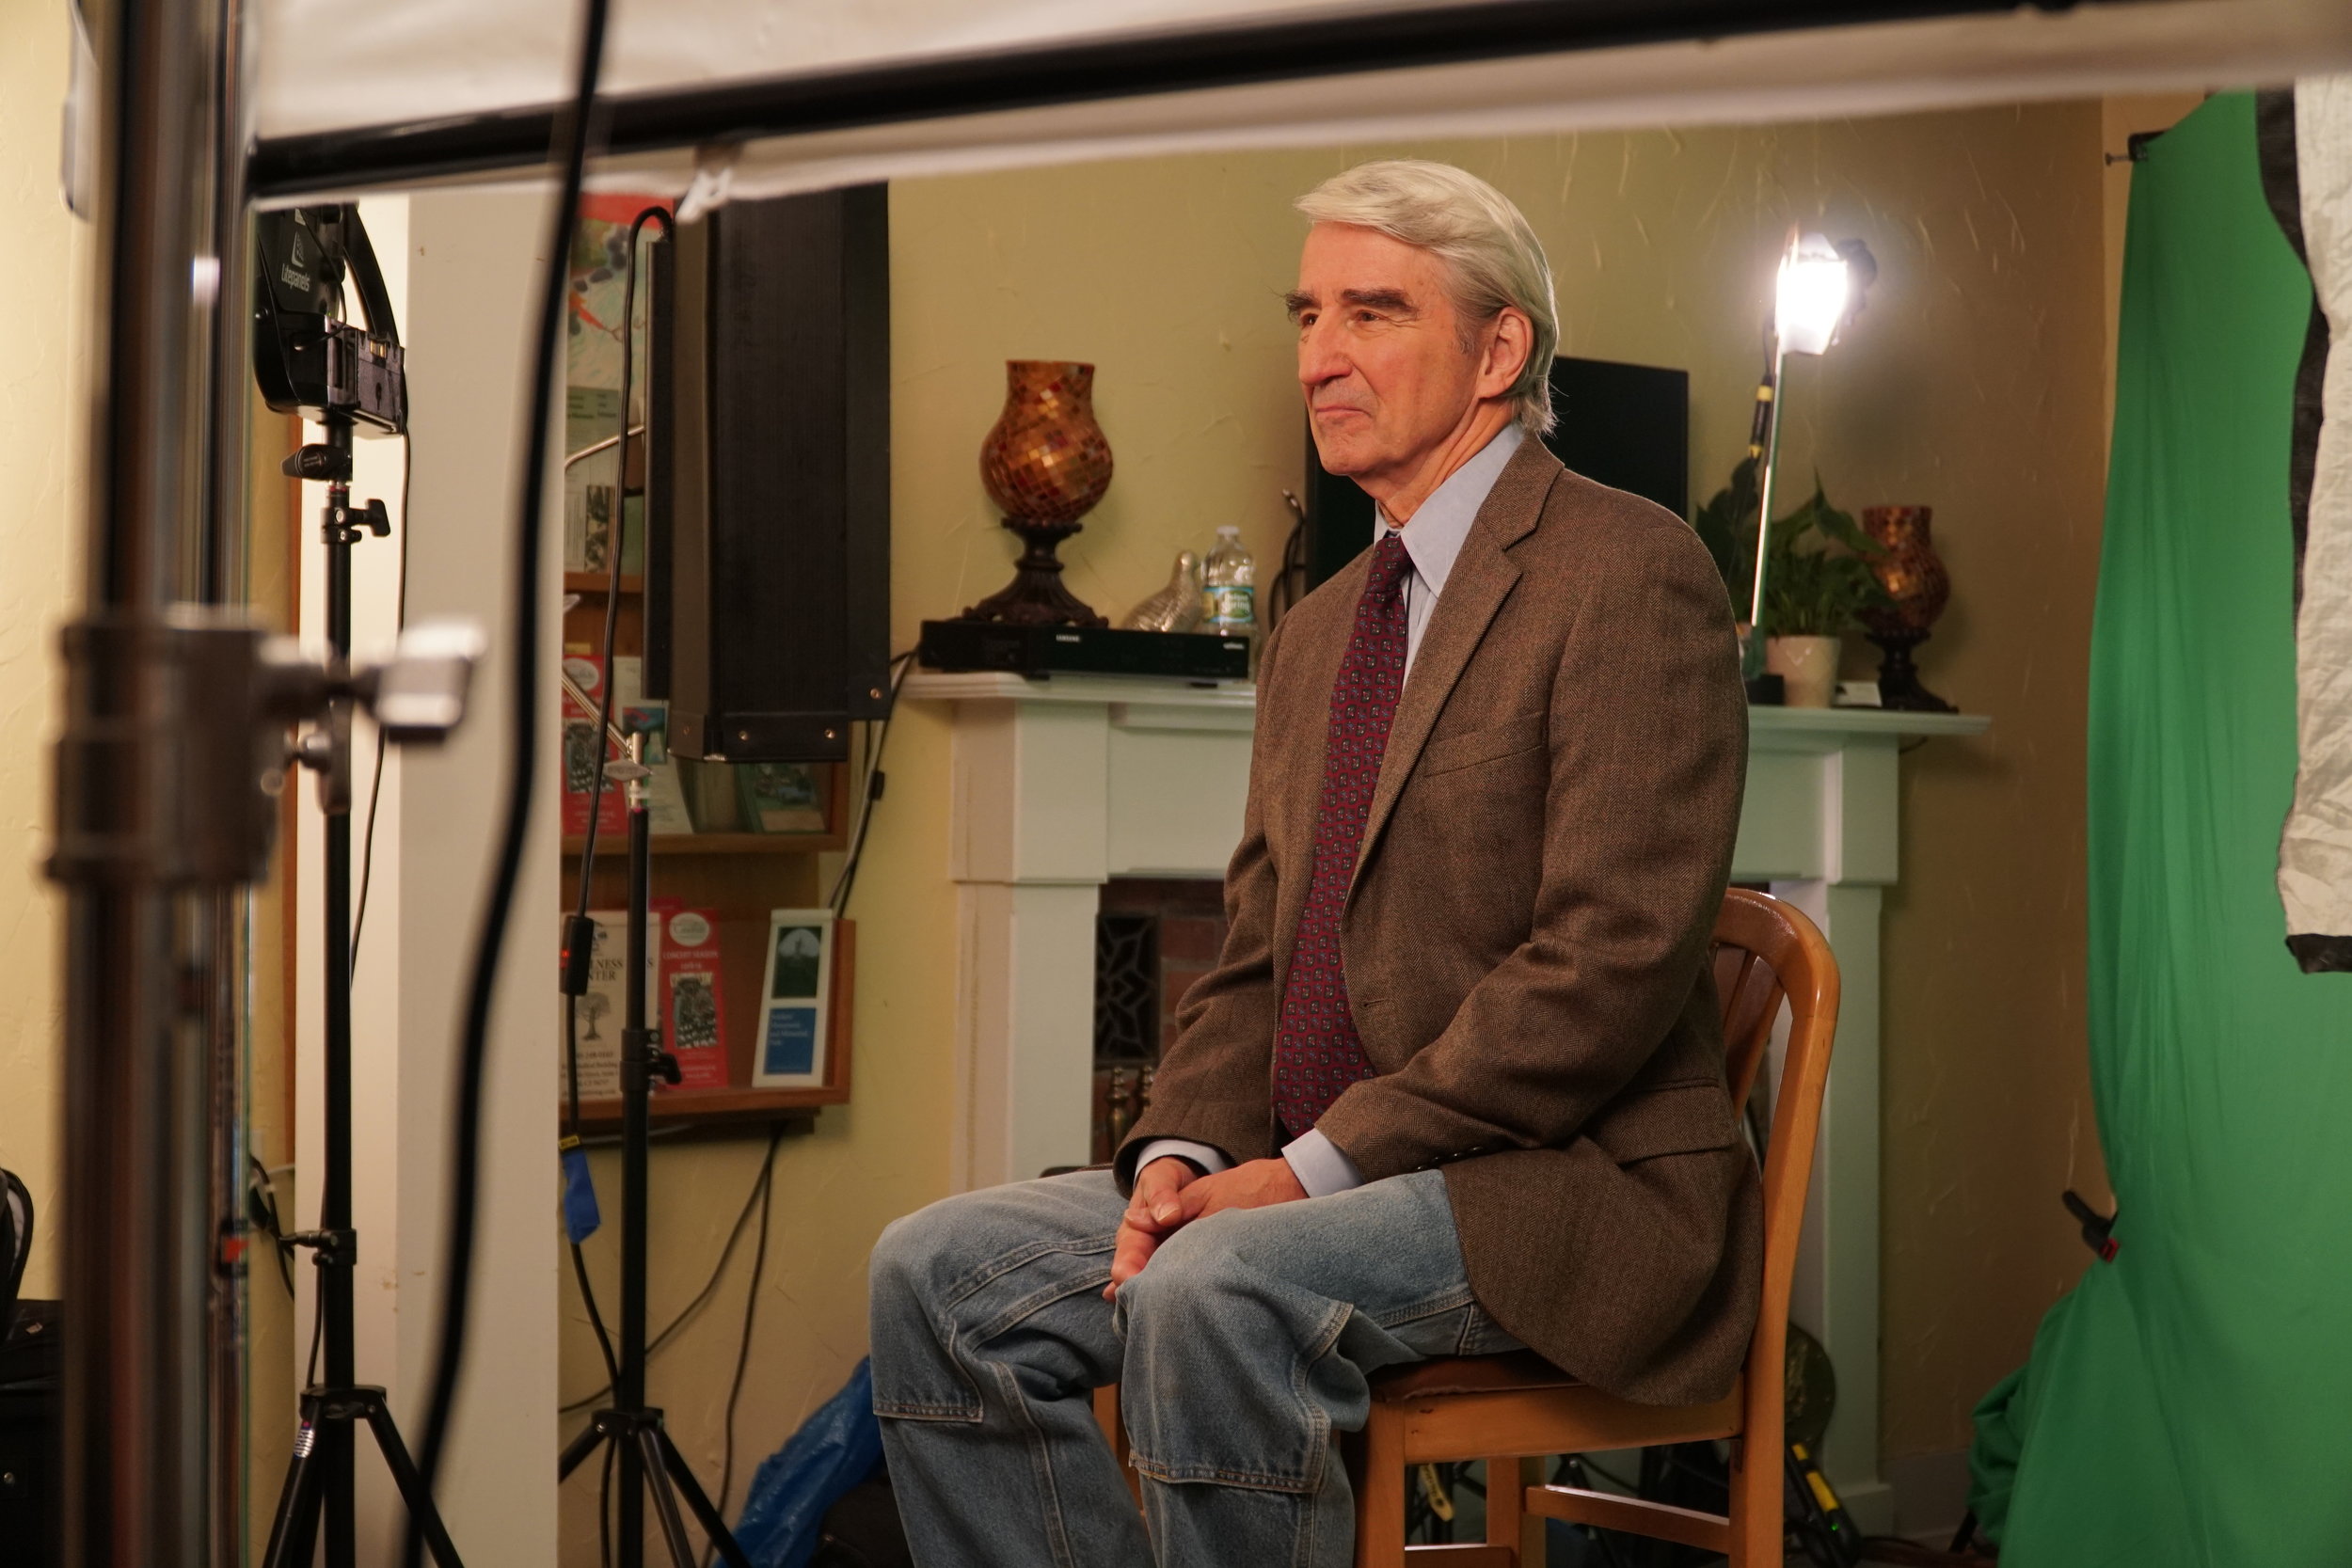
pixel 308 359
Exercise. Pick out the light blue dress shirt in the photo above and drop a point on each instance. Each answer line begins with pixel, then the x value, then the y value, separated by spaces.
pixel 1432 538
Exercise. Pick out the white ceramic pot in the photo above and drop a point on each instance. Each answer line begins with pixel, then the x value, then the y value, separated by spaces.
pixel 1808 665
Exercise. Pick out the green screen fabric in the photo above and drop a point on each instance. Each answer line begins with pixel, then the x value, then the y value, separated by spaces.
pixel 2191 1401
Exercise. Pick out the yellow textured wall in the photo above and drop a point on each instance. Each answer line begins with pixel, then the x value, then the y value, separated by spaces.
pixel 1973 383
pixel 41 388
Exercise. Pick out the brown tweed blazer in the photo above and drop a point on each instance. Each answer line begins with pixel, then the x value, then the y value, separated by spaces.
pixel 1526 936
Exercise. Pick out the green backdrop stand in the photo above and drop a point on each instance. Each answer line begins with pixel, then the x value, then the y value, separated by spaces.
pixel 2191 1401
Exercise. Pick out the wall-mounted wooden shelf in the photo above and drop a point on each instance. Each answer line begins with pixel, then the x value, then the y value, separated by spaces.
pixel 710 844
pixel 738 878
pixel 601 582
pixel 740 1103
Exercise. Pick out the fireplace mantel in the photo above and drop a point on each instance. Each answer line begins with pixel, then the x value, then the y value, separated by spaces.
pixel 1061 784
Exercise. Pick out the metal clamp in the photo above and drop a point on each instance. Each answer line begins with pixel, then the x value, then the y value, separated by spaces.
pixel 176 739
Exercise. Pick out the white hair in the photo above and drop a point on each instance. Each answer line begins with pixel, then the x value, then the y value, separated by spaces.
pixel 1493 256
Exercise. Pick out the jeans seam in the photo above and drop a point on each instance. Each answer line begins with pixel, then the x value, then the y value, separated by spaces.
pixel 1040 1465
pixel 1180 1475
pixel 1035 1302
pixel 1318 1431
pixel 1450 1300
pixel 958 1290
pixel 907 1410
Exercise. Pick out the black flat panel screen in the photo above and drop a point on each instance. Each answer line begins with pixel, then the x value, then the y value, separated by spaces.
pixel 776 571
pixel 1340 517
pixel 1626 426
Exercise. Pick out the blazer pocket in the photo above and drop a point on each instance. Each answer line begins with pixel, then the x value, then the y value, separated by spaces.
pixel 1508 738
pixel 1683 1118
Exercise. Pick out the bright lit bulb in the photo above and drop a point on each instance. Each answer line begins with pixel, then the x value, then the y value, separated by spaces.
pixel 1810 302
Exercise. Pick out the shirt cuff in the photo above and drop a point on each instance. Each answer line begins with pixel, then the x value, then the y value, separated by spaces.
pixel 1210 1160
pixel 1319 1166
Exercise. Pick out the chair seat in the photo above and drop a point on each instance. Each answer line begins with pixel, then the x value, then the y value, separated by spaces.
pixel 1511 1372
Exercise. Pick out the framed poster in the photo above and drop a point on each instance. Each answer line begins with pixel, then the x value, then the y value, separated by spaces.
pixel 796 998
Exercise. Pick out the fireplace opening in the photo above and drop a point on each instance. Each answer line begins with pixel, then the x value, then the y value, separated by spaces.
pixel 1153 938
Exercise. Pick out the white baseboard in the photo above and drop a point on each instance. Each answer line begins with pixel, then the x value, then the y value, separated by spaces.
pixel 1871 1505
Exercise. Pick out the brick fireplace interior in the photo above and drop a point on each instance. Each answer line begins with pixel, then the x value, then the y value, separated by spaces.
pixel 1152 939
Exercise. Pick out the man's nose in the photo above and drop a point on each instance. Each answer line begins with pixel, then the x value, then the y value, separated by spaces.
pixel 1320 357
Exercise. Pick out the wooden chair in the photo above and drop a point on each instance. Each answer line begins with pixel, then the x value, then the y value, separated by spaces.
pixel 1507 1408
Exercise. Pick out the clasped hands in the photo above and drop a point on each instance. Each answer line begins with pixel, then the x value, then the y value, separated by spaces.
pixel 1169 1195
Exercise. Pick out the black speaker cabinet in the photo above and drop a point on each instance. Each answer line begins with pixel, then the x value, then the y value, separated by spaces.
pixel 1626 426
pixel 767 559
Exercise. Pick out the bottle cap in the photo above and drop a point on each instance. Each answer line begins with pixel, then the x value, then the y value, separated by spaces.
pixel 1228 531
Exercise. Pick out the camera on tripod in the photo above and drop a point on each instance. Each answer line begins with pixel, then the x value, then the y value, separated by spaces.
pixel 308 359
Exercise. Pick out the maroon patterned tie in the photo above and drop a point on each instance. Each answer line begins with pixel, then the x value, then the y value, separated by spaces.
pixel 1318 1051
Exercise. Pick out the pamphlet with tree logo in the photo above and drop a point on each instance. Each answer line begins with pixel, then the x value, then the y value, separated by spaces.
pixel 604 1009
pixel 795 999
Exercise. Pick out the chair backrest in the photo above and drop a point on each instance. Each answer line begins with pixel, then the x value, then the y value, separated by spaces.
pixel 1768 954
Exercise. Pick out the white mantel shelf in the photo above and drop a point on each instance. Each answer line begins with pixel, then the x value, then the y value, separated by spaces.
pixel 1060 784
pixel 1777 721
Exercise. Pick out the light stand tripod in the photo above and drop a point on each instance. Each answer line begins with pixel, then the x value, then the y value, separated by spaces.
pixel 309 361
pixel 649 1462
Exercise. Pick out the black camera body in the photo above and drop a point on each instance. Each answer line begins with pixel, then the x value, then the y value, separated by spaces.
pixel 308 359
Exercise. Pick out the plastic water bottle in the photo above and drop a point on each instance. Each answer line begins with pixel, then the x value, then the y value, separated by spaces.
pixel 1229 594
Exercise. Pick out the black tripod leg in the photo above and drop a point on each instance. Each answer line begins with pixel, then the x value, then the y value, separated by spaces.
pixel 649 1447
pixel 412 1488
pixel 294 1534
pixel 579 1448
pixel 697 1499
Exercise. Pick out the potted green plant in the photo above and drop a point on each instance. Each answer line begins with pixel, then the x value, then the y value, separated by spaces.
pixel 1817 580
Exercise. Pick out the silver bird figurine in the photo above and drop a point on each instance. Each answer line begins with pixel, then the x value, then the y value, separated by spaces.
pixel 1174 608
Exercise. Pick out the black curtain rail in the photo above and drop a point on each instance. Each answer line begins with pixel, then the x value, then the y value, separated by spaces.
pixel 1078 71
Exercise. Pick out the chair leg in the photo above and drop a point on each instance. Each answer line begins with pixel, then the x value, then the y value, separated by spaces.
pixel 1757 1511
pixel 1506 1506
pixel 1380 1492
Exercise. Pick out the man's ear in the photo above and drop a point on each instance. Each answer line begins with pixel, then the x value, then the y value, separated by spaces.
pixel 1510 338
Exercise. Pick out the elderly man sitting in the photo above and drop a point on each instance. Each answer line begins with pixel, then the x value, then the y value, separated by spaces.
pixel 1455 1084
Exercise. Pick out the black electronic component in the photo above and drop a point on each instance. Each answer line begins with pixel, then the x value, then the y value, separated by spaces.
pixel 768 563
pixel 1082 650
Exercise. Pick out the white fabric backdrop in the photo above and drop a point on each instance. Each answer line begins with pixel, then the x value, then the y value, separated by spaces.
pixel 340 63
pixel 2315 850
pixel 429 58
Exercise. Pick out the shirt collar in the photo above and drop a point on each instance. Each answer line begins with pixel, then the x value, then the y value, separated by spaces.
pixel 1432 536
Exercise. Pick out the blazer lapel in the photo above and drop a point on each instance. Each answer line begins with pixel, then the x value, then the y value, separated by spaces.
pixel 1481 578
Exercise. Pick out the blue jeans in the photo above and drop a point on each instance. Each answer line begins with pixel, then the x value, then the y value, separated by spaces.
pixel 1241 1350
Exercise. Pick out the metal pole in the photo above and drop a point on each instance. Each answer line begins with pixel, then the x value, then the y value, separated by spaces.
pixel 221 580
pixel 138 1248
pixel 1753 663
pixel 338 1440
pixel 637 1050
